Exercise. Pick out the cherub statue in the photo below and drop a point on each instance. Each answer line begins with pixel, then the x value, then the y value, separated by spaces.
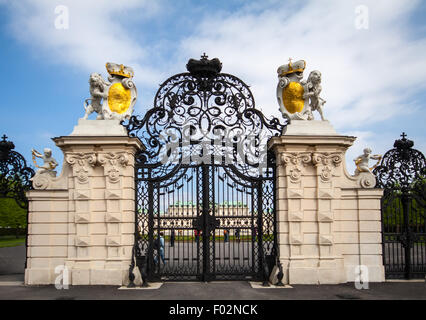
pixel 98 92
pixel 313 88
pixel 361 161
pixel 49 163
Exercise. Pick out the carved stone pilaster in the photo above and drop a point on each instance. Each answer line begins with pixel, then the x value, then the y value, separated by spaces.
pixel 295 163
pixel 113 163
pixel 81 164
pixel 326 162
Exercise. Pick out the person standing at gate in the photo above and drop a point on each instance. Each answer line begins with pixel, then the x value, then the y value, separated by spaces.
pixel 226 235
pixel 237 234
pixel 162 247
pixel 159 246
pixel 172 238
pixel 197 235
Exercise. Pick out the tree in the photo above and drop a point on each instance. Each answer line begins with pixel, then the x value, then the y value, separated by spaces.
pixel 12 215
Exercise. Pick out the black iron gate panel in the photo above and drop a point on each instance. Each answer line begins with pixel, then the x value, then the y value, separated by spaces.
pixel 15 180
pixel 205 185
pixel 215 225
pixel 402 176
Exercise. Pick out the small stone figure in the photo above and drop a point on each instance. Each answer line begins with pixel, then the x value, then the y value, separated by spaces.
pixel 313 86
pixel 98 91
pixel 49 163
pixel 361 161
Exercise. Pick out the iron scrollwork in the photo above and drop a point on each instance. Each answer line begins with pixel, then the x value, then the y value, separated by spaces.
pixel 15 175
pixel 400 166
pixel 402 176
pixel 193 109
pixel 204 129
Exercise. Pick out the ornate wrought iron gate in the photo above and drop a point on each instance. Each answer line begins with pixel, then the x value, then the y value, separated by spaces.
pixel 15 176
pixel 205 183
pixel 402 175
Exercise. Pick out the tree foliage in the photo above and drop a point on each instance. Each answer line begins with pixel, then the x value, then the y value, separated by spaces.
pixel 12 215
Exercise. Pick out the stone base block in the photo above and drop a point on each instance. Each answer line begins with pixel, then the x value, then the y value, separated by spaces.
pixel 331 276
pixel 98 128
pixel 376 273
pixel 80 277
pixel 106 277
pixel 303 275
pixel 39 276
pixel 315 127
pixel 309 275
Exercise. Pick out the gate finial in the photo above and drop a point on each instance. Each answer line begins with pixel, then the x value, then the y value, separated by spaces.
pixel 204 67
pixel 5 147
pixel 403 144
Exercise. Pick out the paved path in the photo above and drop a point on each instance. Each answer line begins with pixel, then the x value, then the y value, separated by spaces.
pixel 11 287
pixel 12 260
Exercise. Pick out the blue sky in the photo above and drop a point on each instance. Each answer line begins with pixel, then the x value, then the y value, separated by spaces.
pixel 374 79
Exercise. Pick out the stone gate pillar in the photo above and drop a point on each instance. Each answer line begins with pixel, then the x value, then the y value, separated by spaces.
pixel 328 222
pixel 85 218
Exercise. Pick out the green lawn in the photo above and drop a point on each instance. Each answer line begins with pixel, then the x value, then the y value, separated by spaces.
pixel 11 241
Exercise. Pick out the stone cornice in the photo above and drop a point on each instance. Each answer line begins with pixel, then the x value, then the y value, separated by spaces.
pixel 65 142
pixel 286 141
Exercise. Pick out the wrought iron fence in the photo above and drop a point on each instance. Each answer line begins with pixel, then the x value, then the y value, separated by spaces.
pixel 402 175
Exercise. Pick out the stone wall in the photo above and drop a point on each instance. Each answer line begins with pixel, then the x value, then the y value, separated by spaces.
pixel 328 221
pixel 84 219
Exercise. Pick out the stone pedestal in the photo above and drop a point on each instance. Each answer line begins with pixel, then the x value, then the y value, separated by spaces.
pixel 328 221
pixel 85 218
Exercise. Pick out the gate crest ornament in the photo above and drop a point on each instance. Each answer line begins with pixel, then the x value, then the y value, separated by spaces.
pixel 203 105
pixel 298 98
pixel 114 99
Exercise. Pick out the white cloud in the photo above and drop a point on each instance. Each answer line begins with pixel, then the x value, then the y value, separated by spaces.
pixel 97 33
pixel 368 75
